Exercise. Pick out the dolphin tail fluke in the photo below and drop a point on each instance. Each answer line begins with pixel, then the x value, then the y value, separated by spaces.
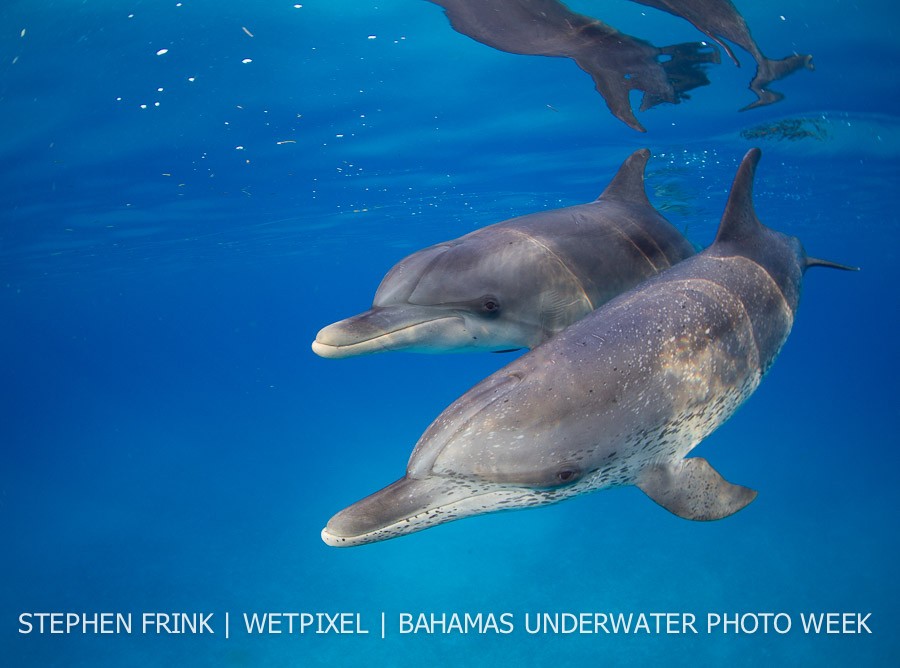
pixel 768 71
pixel 694 490
pixel 628 183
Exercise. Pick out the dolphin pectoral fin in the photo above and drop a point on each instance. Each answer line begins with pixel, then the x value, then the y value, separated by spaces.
pixel 818 262
pixel 694 490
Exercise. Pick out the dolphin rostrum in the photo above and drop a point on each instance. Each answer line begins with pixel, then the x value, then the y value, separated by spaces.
pixel 516 283
pixel 618 63
pixel 720 20
pixel 619 398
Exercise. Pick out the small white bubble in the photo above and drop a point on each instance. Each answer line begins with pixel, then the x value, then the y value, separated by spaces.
pixel 246 60
pixel 162 52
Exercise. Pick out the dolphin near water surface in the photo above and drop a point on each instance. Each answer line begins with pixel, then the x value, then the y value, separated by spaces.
pixel 516 283
pixel 618 398
pixel 618 63
pixel 720 20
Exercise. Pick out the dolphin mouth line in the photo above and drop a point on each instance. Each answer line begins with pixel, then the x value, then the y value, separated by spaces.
pixel 429 517
pixel 320 346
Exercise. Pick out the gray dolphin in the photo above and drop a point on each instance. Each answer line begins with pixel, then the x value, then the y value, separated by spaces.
pixel 721 21
pixel 619 398
pixel 516 283
pixel 618 63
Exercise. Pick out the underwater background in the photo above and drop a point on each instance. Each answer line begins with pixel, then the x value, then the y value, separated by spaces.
pixel 176 224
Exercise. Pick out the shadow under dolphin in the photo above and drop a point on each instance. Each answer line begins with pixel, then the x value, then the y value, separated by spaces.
pixel 618 398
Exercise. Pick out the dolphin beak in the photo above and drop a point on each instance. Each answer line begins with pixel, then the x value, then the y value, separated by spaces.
pixel 413 504
pixel 397 327
pixel 398 509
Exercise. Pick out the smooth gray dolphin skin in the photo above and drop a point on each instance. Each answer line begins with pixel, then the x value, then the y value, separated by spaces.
pixel 516 283
pixel 720 20
pixel 618 63
pixel 619 398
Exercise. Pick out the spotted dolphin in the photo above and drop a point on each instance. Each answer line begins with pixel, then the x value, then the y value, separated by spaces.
pixel 720 20
pixel 516 283
pixel 618 398
pixel 617 63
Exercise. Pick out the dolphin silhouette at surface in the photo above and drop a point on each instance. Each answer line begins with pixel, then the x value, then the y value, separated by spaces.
pixel 618 63
pixel 720 20
pixel 619 398
pixel 516 283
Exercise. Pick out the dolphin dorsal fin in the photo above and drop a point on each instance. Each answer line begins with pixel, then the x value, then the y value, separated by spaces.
pixel 739 220
pixel 628 183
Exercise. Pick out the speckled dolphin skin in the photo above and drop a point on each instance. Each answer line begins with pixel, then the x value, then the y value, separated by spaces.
pixel 516 283
pixel 618 398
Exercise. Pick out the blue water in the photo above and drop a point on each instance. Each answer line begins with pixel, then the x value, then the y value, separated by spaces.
pixel 171 444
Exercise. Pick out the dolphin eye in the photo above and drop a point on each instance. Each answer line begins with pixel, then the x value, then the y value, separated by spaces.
pixel 567 475
pixel 490 304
